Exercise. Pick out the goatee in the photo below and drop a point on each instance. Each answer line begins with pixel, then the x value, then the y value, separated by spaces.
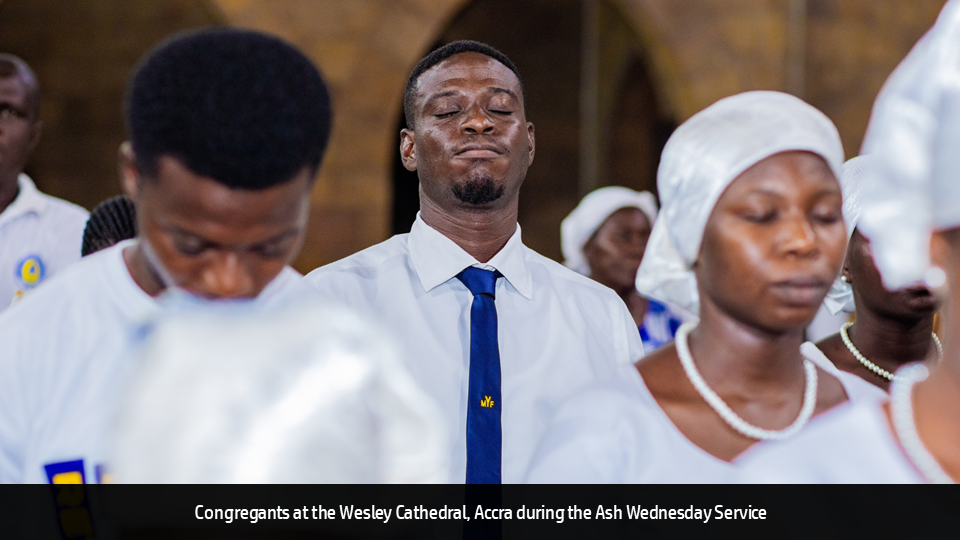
pixel 478 190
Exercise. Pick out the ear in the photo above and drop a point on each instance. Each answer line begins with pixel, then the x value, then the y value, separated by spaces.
pixel 127 168
pixel 408 149
pixel 845 269
pixel 532 143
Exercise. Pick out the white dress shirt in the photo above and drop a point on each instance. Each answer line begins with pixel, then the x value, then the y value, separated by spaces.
pixel 67 348
pixel 557 330
pixel 39 236
pixel 616 432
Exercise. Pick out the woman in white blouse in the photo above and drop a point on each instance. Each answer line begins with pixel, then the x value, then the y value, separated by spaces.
pixel 750 238
pixel 893 328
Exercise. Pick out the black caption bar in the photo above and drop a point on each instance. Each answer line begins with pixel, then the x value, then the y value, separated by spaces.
pixel 346 512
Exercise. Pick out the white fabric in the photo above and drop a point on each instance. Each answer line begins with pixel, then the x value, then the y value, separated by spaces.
pixel 702 157
pixel 852 444
pixel 856 388
pixel 852 176
pixel 914 134
pixel 40 235
pixel 578 227
pixel 557 330
pixel 615 432
pixel 308 394
pixel 825 324
pixel 66 351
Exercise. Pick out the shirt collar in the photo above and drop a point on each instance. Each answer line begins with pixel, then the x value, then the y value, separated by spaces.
pixel 437 259
pixel 29 199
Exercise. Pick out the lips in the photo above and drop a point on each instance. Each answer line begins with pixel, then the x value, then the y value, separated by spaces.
pixel 801 291
pixel 478 151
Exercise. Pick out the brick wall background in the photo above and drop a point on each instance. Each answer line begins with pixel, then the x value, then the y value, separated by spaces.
pixel 663 61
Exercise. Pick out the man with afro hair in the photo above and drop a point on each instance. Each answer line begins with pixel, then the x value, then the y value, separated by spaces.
pixel 227 129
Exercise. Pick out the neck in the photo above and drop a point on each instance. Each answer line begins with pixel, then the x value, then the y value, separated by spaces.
pixel 9 189
pixel 481 233
pixel 142 271
pixel 937 400
pixel 891 343
pixel 636 303
pixel 733 356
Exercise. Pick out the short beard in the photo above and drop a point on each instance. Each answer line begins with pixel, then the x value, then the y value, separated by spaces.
pixel 478 190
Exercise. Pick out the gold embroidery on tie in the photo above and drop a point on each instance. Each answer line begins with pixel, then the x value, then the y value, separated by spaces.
pixel 486 402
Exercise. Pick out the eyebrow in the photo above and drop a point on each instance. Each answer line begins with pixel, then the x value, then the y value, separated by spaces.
pixel 498 90
pixel 173 229
pixel 441 95
pixel 774 193
pixel 448 93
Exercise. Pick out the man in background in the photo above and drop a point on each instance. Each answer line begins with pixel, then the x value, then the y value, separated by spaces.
pixel 39 234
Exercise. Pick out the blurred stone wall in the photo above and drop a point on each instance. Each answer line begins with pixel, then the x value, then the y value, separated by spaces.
pixel 696 51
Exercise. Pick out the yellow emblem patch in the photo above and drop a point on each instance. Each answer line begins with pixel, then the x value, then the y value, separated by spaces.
pixel 72 477
pixel 486 402
pixel 31 270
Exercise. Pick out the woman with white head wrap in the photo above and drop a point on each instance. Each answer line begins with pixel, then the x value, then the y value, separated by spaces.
pixel 911 214
pixel 749 237
pixel 604 238
pixel 893 328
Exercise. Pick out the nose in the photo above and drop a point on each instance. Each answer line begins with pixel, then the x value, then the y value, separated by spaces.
pixel 476 120
pixel 227 277
pixel 799 238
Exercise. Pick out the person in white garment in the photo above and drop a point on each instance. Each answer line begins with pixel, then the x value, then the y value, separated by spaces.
pixel 299 394
pixel 911 216
pixel 220 164
pixel 535 331
pixel 604 237
pixel 749 238
pixel 39 235
pixel 892 328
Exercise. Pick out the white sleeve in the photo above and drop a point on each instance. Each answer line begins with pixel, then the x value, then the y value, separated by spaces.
pixel 12 423
pixel 634 342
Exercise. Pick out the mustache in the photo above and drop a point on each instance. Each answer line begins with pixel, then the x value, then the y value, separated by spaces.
pixel 481 144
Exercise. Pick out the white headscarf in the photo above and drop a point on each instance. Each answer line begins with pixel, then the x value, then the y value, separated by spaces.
pixel 915 136
pixel 840 297
pixel 577 228
pixel 702 157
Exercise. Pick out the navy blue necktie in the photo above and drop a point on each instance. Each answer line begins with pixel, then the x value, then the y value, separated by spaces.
pixel 483 407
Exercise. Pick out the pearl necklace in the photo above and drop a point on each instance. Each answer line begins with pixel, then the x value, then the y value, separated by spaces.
pixel 870 365
pixel 901 408
pixel 726 413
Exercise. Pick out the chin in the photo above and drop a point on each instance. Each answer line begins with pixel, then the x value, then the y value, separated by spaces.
pixel 791 318
pixel 779 320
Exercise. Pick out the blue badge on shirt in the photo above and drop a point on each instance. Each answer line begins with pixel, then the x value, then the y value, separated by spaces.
pixel 30 270
pixel 103 477
pixel 70 497
pixel 65 472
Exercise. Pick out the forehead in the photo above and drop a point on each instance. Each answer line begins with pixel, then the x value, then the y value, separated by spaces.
pixel 183 194
pixel 628 216
pixel 785 172
pixel 12 88
pixel 467 70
